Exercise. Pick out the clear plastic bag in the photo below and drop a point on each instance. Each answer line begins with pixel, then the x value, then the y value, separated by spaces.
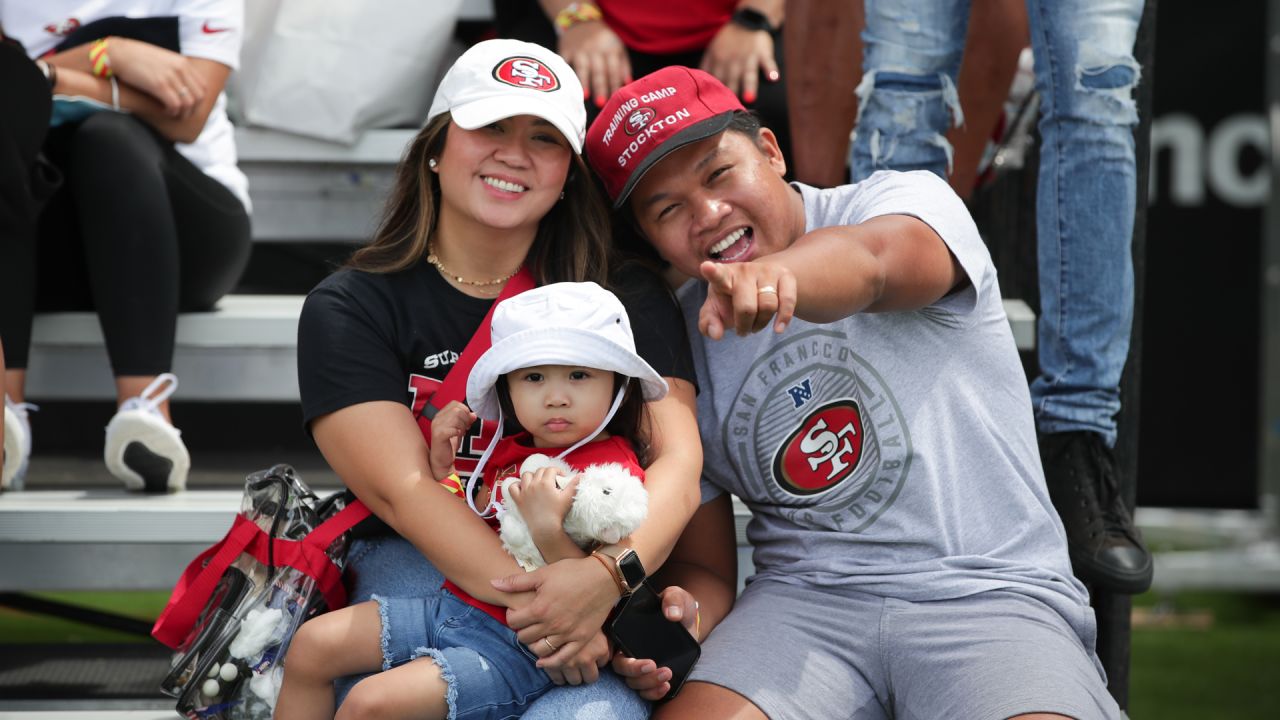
pixel 230 665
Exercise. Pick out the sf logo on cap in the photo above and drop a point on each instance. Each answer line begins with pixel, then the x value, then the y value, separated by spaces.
pixel 526 72
pixel 638 119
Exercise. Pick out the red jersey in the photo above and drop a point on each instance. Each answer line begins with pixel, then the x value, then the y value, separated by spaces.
pixel 506 460
pixel 666 28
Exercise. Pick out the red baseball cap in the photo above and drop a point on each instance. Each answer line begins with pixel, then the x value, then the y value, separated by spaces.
pixel 648 118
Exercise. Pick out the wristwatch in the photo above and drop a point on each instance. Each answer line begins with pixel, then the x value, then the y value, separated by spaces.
pixel 630 569
pixel 751 19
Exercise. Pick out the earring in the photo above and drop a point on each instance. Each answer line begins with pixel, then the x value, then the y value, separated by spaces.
pixel 561 194
pixel 431 163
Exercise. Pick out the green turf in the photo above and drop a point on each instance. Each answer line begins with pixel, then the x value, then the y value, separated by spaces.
pixel 1229 670
pixel 22 627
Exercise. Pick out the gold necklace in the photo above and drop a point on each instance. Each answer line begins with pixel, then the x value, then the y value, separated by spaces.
pixel 435 260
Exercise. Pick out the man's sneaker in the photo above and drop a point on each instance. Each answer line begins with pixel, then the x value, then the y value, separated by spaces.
pixel 1106 549
pixel 143 450
pixel 17 444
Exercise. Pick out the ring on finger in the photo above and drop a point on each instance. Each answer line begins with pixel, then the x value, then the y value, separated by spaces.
pixel 767 289
pixel 183 91
pixel 547 642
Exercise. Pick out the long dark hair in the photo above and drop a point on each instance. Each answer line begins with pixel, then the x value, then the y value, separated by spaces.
pixel 627 423
pixel 572 240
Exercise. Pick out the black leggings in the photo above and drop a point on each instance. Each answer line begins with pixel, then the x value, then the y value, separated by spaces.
pixel 134 230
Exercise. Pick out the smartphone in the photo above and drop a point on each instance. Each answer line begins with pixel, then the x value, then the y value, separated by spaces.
pixel 642 631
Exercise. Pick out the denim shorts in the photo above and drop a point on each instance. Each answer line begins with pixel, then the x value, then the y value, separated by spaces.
pixel 489 672
pixel 391 567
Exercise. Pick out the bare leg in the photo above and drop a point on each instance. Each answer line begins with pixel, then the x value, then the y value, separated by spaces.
pixel 700 700
pixel 413 691
pixel 333 645
pixel 822 42
pixel 997 34
pixel 15 384
pixel 128 386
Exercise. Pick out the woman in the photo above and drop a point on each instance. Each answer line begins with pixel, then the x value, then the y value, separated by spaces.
pixel 492 184
pixel 119 192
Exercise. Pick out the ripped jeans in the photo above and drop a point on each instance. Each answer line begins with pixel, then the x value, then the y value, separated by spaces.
pixel 1085 74
pixel 390 566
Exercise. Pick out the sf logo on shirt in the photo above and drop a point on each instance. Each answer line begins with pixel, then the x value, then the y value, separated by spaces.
pixel 823 451
pixel 525 72
pixel 814 431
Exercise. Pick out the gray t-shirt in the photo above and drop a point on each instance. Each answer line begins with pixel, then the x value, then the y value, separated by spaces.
pixel 889 453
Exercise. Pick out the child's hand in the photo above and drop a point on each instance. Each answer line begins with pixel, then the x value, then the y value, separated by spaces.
pixel 544 498
pixel 447 428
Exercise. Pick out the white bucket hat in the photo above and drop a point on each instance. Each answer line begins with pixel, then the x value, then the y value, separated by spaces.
pixel 559 324
pixel 498 79
pixel 579 324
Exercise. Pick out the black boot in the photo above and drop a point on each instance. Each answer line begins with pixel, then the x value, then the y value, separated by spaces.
pixel 1106 549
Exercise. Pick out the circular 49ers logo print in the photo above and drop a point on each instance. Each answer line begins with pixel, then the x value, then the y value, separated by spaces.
pixel 637 120
pixel 526 72
pixel 823 452
pixel 816 433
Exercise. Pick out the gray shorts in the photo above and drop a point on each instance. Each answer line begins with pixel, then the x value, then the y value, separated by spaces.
pixel 803 652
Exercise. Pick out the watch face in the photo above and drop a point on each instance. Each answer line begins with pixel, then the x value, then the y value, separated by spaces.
pixel 631 567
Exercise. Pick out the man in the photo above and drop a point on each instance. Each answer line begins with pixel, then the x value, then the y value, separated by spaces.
pixel 861 392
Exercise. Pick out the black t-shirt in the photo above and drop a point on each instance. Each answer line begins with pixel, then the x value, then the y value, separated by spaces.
pixel 365 337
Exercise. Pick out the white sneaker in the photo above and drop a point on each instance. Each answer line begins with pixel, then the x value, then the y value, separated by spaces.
pixel 17 444
pixel 143 450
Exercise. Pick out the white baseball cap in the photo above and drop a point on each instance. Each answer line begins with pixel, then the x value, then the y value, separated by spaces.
pixel 498 79
pixel 566 323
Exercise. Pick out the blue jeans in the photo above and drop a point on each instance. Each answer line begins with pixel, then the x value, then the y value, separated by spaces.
pixel 1085 74
pixel 490 675
pixel 390 566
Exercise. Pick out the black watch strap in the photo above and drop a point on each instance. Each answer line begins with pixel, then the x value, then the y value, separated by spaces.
pixel 751 19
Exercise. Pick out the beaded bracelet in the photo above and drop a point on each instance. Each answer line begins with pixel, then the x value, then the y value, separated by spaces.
pixel 99 61
pixel 574 13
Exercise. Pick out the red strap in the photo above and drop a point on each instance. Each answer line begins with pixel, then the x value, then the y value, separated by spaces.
pixel 454 386
pixel 329 530
pixel 196 586
pixel 197 583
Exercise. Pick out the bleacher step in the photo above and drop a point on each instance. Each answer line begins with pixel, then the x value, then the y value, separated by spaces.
pixel 244 350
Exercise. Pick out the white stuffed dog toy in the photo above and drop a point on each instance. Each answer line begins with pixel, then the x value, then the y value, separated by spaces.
pixel 610 503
